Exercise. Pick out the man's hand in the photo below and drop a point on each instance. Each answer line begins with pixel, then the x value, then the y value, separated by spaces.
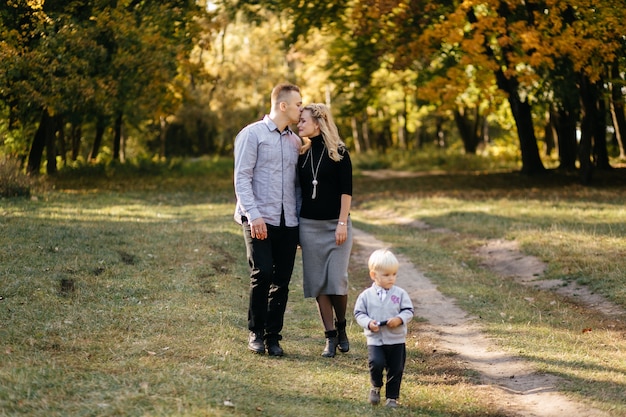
pixel 258 229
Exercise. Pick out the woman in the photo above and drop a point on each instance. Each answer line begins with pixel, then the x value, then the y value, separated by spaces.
pixel 325 173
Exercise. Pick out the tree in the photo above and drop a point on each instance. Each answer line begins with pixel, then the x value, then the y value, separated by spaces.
pixel 618 112
pixel 93 60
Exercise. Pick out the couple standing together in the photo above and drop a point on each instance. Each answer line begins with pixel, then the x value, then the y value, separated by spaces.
pixel 294 191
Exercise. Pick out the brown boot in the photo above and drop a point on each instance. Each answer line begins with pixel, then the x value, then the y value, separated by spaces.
pixel 342 336
pixel 331 344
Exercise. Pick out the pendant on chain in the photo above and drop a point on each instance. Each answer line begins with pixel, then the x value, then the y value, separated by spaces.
pixel 314 172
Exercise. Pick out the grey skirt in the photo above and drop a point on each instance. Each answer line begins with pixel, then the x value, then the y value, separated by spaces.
pixel 324 264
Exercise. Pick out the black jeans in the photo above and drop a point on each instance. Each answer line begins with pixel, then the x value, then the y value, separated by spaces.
pixel 392 359
pixel 271 264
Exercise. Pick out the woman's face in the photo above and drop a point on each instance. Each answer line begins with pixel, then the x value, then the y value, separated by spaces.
pixel 307 126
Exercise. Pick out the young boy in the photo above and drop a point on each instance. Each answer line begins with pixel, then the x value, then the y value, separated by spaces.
pixel 384 310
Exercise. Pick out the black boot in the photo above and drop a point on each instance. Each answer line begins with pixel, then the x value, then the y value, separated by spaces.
pixel 272 345
pixel 342 336
pixel 331 344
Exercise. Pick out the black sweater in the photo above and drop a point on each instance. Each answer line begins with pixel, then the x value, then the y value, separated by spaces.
pixel 334 179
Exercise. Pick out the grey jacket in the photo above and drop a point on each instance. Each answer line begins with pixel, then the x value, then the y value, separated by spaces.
pixel 368 307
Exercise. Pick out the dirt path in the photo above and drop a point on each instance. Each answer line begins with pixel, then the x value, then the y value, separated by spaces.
pixel 505 258
pixel 518 389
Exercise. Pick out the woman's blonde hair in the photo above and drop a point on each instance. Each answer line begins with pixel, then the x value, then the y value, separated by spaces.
pixel 321 113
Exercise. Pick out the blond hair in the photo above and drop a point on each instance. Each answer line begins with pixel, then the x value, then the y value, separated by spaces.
pixel 382 260
pixel 321 113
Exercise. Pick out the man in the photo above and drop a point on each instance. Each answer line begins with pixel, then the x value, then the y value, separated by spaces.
pixel 267 190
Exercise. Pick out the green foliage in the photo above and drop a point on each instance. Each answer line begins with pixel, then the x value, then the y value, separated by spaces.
pixel 194 73
pixel 431 158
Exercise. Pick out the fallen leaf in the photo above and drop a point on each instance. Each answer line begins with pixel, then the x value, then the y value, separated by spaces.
pixel 587 330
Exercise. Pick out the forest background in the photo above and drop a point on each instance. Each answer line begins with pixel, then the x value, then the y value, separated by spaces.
pixel 537 84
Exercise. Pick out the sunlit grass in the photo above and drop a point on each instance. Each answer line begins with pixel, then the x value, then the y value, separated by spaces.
pixel 154 321
pixel 579 233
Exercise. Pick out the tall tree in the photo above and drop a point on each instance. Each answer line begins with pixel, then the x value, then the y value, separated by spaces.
pixel 91 60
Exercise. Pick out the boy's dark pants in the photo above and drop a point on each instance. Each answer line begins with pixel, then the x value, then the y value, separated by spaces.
pixel 271 263
pixel 390 358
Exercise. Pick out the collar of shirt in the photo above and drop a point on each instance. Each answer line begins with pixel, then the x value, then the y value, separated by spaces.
pixel 272 126
pixel 382 293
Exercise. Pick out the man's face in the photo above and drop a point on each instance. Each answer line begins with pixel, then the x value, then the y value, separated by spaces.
pixel 293 106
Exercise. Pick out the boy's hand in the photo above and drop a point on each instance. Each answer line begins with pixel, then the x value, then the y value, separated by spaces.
pixel 394 322
pixel 373 326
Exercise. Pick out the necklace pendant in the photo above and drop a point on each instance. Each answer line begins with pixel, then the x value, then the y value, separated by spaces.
pixel 314 171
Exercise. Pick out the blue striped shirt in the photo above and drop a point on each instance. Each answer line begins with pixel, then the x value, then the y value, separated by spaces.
pixel 265 173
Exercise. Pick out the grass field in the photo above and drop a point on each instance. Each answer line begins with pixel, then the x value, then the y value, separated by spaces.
pixel 127 295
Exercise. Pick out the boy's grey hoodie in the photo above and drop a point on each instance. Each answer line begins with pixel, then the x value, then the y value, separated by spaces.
pixel 369 307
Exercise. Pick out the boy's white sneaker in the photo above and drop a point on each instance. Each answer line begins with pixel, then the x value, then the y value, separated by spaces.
pixel 391 403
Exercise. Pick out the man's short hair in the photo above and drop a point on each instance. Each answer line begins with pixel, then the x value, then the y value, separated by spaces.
pixel 280 92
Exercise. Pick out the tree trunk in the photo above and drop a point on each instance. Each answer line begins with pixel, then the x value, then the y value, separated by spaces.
pixel 549 134
pixel 600 150
pixel 97 142
pixel 531 162
pixel 366 132
pixel 384 137
pixel 401 123
pixel 162 136
pixel 440 139
pixel 617 109
pixel 592 150
pixel 117 139
pixel 565 124
pixel 588 105
pixel 355 134
pixel 402 130
pixel 61 139
pixel 76 133
pixel 471 131
pixel 39 143
pixel 51 148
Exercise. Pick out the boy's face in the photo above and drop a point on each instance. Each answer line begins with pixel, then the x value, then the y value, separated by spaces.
pixel 384 279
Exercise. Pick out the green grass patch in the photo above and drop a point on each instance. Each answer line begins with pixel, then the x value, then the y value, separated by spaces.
pixel 126 294
pixel 578 231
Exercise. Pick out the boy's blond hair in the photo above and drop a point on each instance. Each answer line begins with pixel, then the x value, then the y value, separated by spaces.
pixel 382 260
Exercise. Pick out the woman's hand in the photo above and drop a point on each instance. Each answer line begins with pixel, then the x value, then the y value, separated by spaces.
pixel 341 233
